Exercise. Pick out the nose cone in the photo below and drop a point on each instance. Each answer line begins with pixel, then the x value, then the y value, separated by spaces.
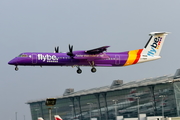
pixel 12 62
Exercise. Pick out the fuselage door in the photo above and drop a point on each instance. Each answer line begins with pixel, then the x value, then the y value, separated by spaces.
pixel 34 58
pixel 117 59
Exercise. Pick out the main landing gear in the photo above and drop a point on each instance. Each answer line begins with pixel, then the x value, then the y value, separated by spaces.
pixel 79 71
pixel 16 68
pixel 93 69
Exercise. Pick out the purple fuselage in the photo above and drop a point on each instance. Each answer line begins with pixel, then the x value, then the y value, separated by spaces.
pixel 62 59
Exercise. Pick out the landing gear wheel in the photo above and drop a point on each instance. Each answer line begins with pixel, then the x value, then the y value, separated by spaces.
pixel 16 68
pixel 79 71
pixel 93 70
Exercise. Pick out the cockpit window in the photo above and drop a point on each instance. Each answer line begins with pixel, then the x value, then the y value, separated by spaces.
pixel 23 55
pixel 19 55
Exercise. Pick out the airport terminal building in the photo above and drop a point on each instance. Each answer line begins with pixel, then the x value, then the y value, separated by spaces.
pixel 158 96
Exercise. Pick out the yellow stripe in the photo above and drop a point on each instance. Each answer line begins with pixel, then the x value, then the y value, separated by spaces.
pixel 131 57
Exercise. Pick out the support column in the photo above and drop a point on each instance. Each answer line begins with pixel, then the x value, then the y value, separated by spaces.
pixel 79 102
pixel 154 105
pixel 105 100
pixel 74 110
pixel 99 105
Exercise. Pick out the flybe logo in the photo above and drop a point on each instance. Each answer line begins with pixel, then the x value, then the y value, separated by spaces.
pixel 47 57
pixel 155 46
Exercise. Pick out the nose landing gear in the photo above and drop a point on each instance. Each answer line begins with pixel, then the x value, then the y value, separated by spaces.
pixel 79 71
pixel 16 68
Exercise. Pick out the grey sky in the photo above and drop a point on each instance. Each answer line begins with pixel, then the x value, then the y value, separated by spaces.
pixel 40 25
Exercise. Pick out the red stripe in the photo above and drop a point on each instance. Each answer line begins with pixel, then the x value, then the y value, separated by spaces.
pixel 138 56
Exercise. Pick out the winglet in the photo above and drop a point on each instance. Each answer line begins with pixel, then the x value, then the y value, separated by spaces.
pixel 57 117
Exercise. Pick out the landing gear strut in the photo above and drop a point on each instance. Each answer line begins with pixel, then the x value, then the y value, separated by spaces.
pixel 79 71
pixel 16 68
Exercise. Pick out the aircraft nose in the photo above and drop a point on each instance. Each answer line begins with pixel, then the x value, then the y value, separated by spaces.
pixel 12 62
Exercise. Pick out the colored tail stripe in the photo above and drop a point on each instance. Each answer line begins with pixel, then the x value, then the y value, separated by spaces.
pixel 133 57
pixel 138 56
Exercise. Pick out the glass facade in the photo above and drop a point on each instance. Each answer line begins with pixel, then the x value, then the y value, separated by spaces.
pixel 151 99
pixel 177 97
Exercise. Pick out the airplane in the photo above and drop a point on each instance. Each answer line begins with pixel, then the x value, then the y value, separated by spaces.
pixel 98 57
pixel 57 117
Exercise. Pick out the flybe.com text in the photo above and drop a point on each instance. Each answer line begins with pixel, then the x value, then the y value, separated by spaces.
pixel 46 57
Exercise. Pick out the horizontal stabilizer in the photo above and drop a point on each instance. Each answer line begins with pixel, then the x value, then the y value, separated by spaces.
pixel 158 33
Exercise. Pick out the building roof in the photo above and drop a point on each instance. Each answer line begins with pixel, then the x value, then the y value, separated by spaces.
pixel 132 84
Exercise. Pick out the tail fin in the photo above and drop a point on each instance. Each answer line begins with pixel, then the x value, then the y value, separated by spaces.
pixel 155 43
pixel 40 118
pixel 57 117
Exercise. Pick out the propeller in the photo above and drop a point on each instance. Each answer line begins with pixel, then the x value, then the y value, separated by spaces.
pixel 56 49
pixel 70 53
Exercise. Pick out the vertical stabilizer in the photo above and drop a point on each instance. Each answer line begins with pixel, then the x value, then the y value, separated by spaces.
pixel 155 43
pixel 57 117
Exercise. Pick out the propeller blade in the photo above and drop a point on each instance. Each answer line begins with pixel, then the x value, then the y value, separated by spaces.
pixel 71 48
pixel 56 49
pixel 70 53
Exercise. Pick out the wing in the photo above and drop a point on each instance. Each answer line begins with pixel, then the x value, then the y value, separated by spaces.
pixel 97 50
